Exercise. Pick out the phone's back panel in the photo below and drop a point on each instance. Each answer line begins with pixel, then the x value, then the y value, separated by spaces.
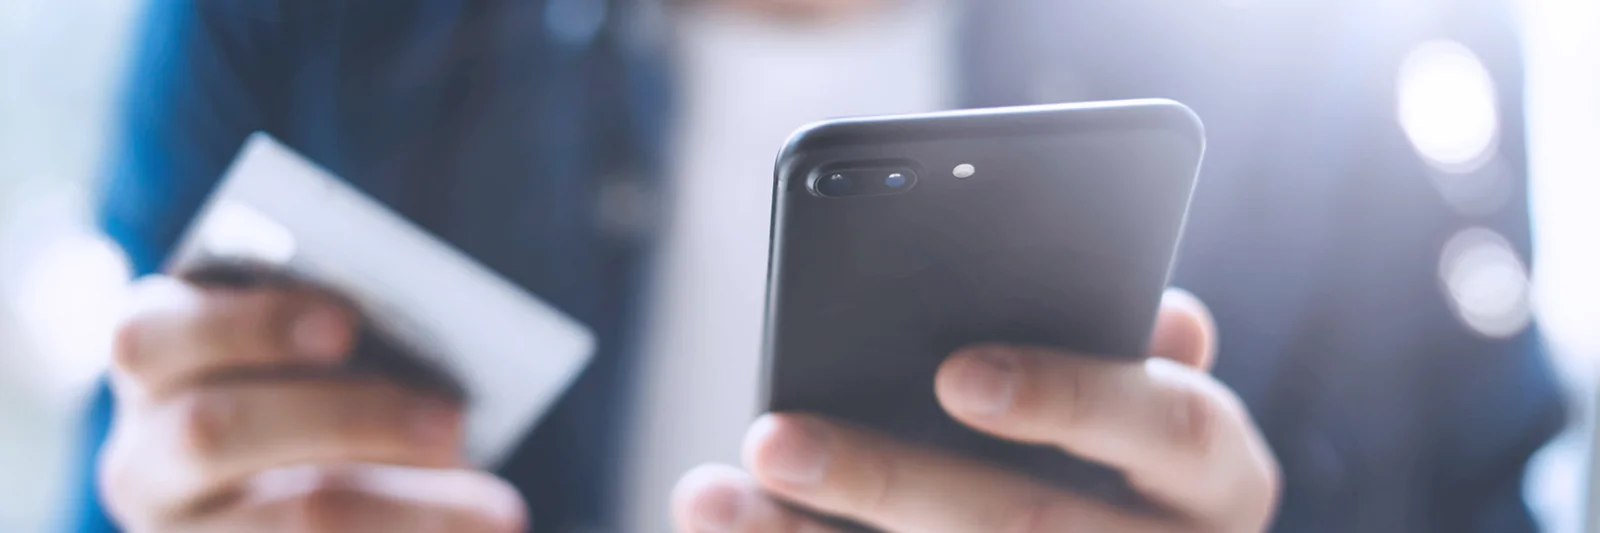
pixel 1062 236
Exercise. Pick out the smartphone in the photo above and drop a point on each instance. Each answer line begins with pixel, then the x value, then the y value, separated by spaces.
pixel 899 239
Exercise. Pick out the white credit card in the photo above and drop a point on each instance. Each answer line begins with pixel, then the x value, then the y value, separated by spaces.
pixel 513 354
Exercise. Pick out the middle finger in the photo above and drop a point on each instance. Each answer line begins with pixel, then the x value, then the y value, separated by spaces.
pixel 201 445
pixel 1179 436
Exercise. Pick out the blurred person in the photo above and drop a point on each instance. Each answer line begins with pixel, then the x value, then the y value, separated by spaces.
pixel 531 135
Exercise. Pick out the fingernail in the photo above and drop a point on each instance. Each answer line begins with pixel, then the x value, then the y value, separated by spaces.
pixel 320 332
pixel 720 509
pixel 984 383
pixel 797 450
pixel 434 421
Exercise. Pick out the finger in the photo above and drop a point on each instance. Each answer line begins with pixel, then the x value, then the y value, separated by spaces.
pixel 864 477
pixel 180 334
pixel 1185 331
pixel 806 10
pixel 723 499
pixel 370 498
pixel 1178 435
pixel 198 447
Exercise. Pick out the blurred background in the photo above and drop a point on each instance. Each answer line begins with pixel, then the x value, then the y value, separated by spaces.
pixel 61 282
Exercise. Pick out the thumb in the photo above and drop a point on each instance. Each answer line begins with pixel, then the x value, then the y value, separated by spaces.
pixel 1184 331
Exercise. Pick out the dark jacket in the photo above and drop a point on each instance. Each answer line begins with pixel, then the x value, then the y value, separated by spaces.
pixel 520 130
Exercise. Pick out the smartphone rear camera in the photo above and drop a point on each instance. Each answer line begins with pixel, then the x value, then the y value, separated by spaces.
pixel 864 182
pixel 835 184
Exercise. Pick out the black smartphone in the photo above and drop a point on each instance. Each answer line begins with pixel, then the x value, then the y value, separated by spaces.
pixel 897 240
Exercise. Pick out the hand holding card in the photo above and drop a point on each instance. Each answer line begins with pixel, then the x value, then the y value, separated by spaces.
pixel 450 318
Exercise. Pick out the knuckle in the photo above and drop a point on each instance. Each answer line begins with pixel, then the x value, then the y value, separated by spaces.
pixel 1192 418
pixel 1075 387
pixel 1040 514
pixel 357 433
pixel 314 499
pixel 367 411
pixel 125 349
pixel 157 303
pixel 324 509
pixel 307 499
pixel 254 313
pixel 227 315
pixel 319 508
pixel 200 421
pixel 1196 414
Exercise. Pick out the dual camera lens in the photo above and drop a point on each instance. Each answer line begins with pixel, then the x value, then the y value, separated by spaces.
pixel 865 182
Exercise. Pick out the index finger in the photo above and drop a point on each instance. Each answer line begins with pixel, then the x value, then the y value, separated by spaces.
pixel 862 476
pixel 180 333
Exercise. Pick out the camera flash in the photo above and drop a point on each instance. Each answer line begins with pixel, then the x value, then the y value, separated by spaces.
pixel 964 170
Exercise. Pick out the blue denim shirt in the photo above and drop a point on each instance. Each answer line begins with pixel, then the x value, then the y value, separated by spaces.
pixel 520 130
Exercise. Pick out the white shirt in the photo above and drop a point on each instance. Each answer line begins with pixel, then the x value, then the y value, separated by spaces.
pixel 747 83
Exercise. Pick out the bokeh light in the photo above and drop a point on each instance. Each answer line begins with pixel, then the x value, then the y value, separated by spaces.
pixel 68 298
pixel 1487 283
pixel 1447 106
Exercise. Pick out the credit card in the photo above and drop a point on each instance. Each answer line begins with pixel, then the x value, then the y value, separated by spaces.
pixel 512 354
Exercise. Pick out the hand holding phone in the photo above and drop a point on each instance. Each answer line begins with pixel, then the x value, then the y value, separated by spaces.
pixel 960 306
pixel 1183 441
